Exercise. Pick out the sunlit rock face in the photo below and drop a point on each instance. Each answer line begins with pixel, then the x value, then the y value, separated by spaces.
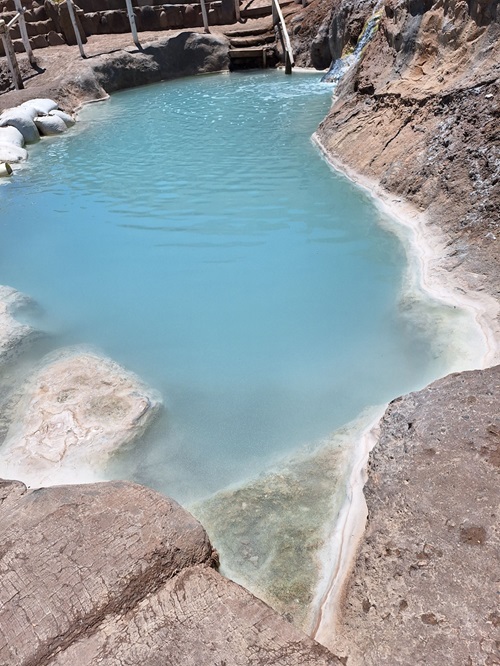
pixel 425 570
pixel 74 413
pixel 419 116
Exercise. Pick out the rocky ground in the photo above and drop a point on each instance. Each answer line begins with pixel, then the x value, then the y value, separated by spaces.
pixel 419 121
pixel 116 574
pixel 426 582
pixel 419 118
pixel 113 62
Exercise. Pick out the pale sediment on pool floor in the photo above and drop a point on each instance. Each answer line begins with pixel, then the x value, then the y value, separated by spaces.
pixel 73 413
pixel 271 531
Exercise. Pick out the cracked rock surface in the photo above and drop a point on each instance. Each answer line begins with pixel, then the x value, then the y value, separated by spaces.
pixel 116 574
pixel 427 577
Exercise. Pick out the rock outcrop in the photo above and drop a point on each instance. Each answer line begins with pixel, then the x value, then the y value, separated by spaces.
pixel 118 575
pixel 74 413
pixel 425 586
pixel 419 117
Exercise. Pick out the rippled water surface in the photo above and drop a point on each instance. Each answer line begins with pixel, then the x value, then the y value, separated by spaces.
pixel 192 232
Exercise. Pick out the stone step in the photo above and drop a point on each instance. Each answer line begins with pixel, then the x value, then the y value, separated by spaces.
pixel 266 10
pixel 256 12
pixel 252 52
pixel 252 40
pixel 244 32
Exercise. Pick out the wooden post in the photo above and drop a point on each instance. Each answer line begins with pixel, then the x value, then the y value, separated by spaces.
pixel 24 32
pixel 288 63
pixel 133 27
pixel 72 16
pixel 275 12
pixel 11 56
pixel 237 10
pixel 204 15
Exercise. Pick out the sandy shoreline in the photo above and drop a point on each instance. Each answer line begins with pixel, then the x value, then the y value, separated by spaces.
pixel 425 249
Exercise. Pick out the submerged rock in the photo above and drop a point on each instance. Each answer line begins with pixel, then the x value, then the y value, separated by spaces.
pixel 117 575
pixel 75 412
pixel 271 531
pixel 14 336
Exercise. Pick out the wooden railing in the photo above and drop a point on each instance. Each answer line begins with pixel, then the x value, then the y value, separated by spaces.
pixel 279 21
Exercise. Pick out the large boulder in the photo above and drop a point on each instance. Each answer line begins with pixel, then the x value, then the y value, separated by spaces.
pixel 41 106
pixel 423 589
pixel 11 135
pixel 75 412
pixel 69 121
pixel 118 575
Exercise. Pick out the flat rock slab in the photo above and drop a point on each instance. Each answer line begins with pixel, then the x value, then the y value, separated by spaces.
pixel 75 412
pixel 425 589
pixel 116 574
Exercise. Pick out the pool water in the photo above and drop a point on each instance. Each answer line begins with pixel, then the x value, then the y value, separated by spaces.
pixel 191 231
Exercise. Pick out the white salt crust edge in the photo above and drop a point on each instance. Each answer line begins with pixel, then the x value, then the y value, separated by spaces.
pixel 425 247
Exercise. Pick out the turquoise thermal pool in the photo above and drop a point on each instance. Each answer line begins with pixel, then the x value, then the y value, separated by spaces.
pixel 191 231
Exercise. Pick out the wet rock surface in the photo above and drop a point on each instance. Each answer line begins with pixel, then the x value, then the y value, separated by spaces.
pixel 425 586
pixel 272 529
pixel 117 574
pixel 15 336
pixel 74 413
